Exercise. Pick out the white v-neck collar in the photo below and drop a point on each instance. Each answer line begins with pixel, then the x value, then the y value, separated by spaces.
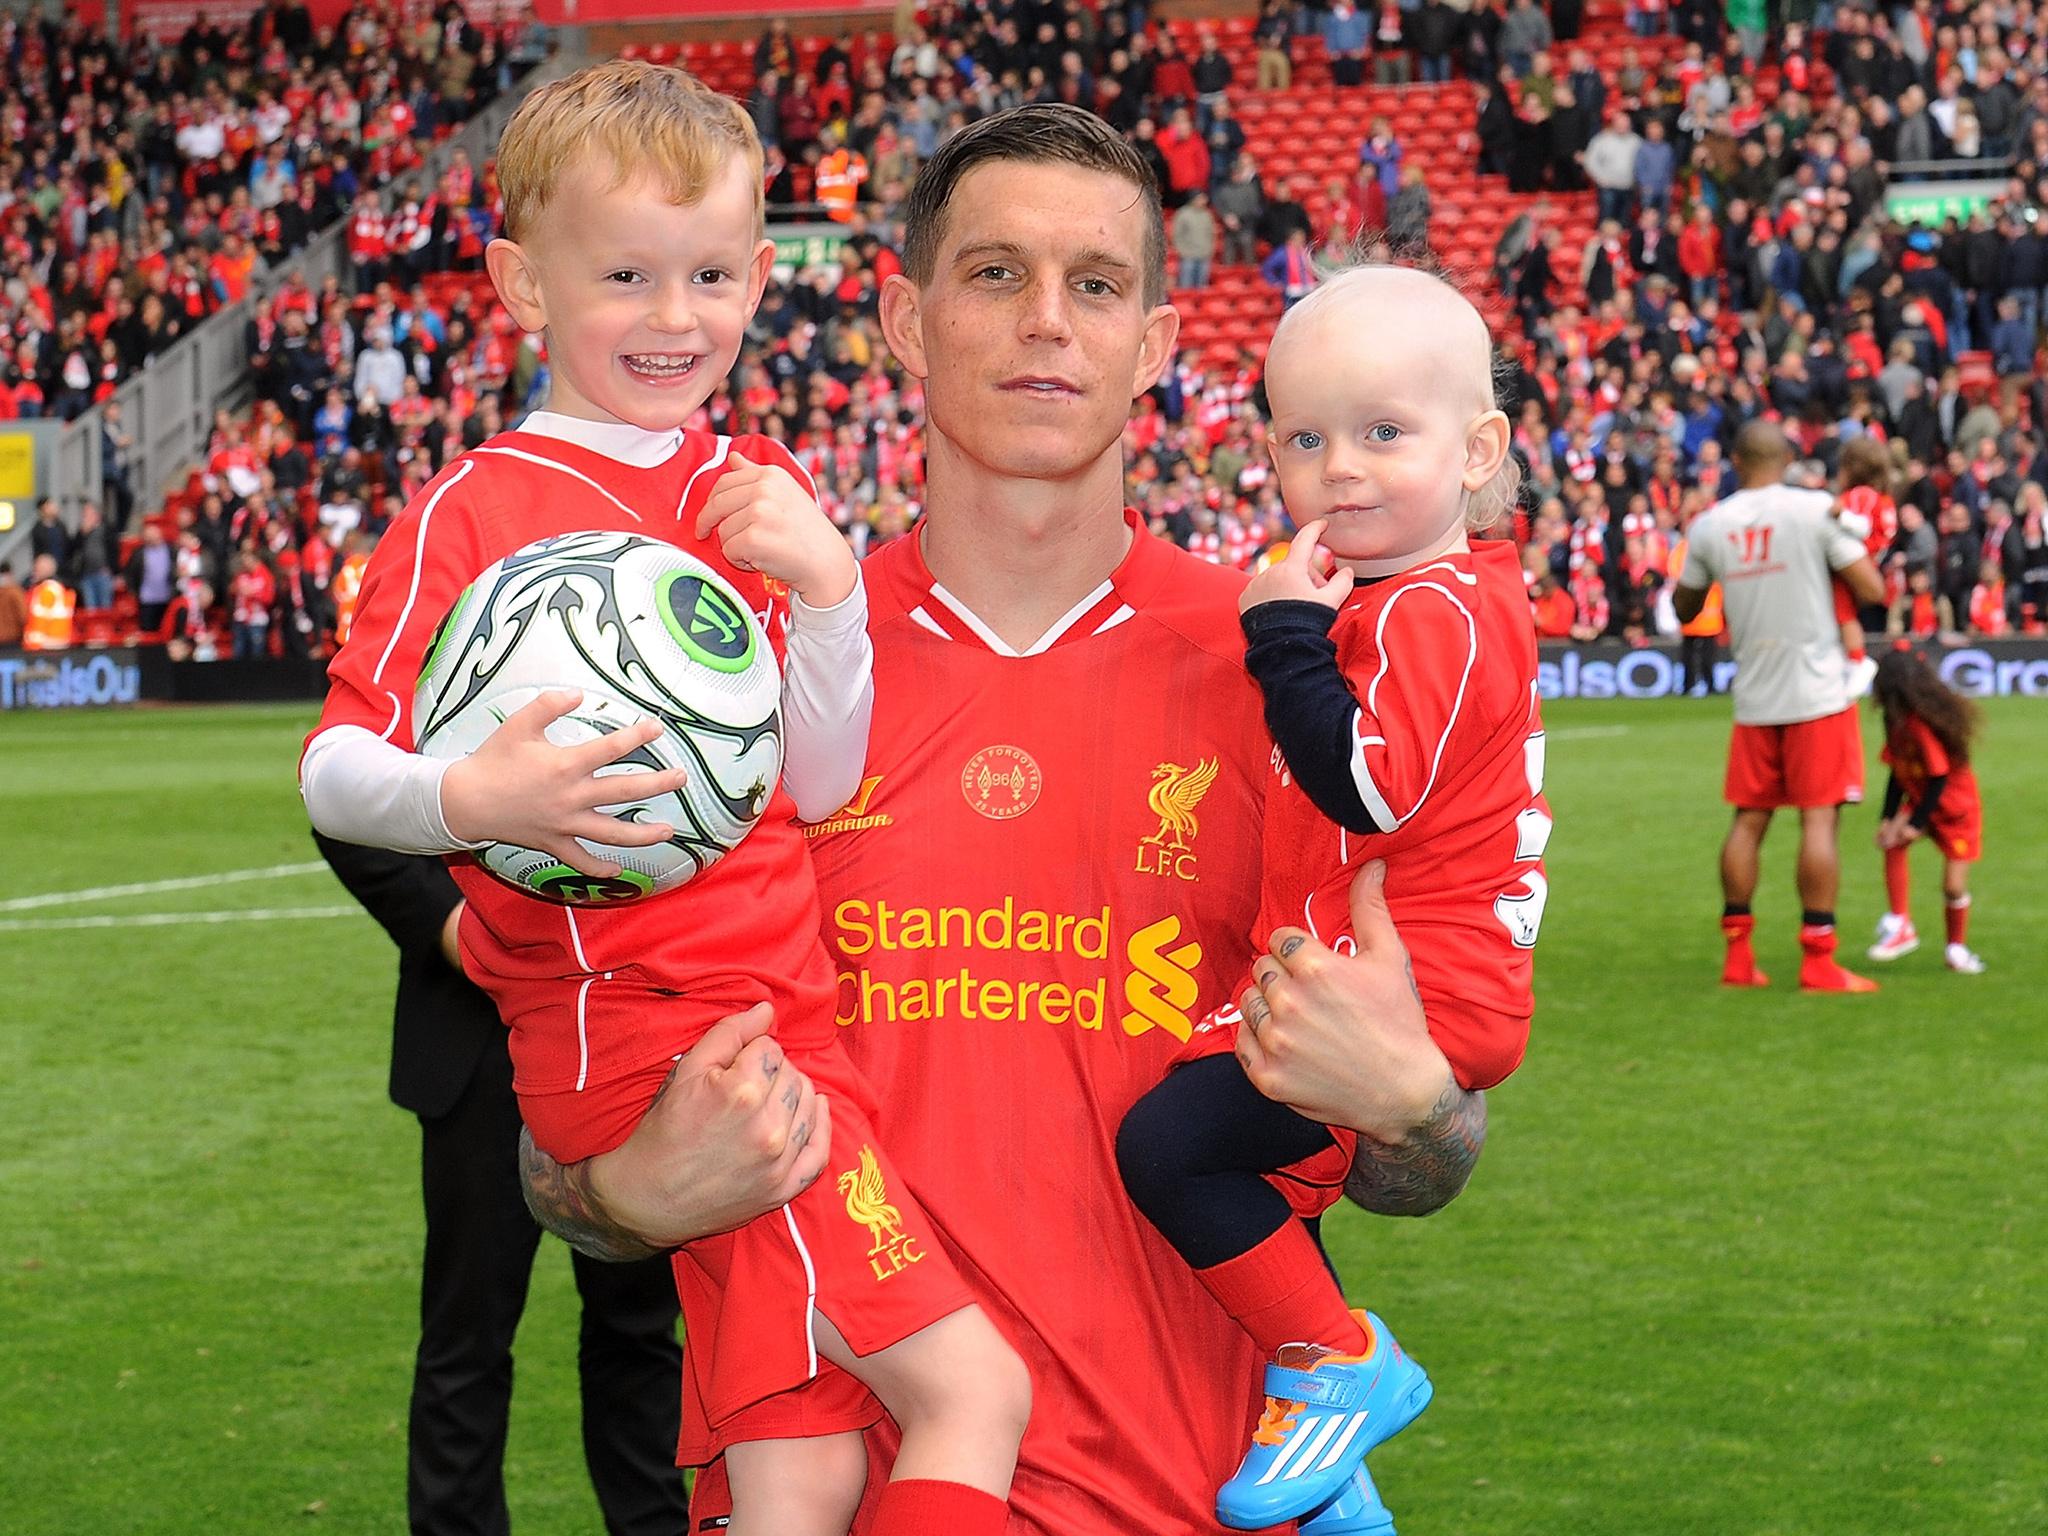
pixel 1045 642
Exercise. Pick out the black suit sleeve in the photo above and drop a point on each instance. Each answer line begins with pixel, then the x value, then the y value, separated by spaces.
pixel 1310 709
pixel 441 1022
pixel 410 895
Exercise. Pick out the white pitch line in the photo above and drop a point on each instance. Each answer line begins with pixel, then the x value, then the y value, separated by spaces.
pixel 171 919
pixel 152 887
pixel 1587 732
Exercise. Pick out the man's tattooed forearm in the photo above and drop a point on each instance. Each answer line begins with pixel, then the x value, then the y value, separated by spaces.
pixel 1424 1171
pixel 560 1200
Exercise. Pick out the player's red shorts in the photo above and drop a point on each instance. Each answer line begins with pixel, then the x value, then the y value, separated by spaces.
pixel 1806 764
pixel 855 1248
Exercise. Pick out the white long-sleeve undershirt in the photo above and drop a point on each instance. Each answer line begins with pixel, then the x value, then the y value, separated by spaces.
pixel 360 788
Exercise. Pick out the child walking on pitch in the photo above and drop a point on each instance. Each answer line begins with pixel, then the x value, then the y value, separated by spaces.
pixel 1932 794
pixel 633 215
pixel 1401 693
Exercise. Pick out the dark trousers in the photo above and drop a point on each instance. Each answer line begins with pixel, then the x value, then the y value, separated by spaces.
pixel 1194 1153
pixel 479 1256
pixel 1697 655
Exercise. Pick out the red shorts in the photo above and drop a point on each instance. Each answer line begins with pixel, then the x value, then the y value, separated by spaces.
pixel 1959 837
pixel 1807 764
pixel 855 1248
pixel 1958 825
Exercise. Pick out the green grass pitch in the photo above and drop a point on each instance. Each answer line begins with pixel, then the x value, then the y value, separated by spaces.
pixel 1739 1265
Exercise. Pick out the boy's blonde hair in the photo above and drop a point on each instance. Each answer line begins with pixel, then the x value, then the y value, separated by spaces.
pixel 642 117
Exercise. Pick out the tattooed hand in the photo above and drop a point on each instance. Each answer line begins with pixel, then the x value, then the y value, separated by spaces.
pixel 735 1131
pixel 1341 1038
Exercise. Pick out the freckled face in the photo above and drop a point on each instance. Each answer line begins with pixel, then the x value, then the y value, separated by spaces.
pixel 645 301
pixel 1033 335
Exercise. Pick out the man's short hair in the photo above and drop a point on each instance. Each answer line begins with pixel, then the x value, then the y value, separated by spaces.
pixel 1037 133
pixel 1762 444
pixel 642 117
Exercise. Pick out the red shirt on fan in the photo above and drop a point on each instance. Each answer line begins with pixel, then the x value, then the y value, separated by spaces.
pixel 1023 938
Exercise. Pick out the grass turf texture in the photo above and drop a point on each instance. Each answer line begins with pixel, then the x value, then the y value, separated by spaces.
pixel 1733 1263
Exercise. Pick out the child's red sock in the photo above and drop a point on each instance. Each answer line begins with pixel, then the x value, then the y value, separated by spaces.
pixel 1898 881
pixel 1282 1292
pixel 919 1506
pixel 1958 918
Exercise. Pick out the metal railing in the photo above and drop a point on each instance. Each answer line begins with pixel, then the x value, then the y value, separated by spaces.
pixel 167 408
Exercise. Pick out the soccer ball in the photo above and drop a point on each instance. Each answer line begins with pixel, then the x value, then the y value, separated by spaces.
pixel 640 628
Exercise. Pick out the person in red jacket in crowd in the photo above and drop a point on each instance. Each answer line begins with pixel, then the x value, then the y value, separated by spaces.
pixel 1699 255
pixel 251 593
pixel 1173 78
pixel 1187 157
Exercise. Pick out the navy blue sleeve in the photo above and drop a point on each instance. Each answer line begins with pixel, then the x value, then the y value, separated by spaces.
pixel 1929 801
pixel 1310 708
pixel 1894 797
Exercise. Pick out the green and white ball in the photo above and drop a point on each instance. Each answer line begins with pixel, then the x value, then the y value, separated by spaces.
pixel 639 628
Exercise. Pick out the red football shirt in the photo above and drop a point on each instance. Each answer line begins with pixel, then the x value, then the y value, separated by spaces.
pixel 591 993
pixel 1448 755
pixel 1915 755
pixel 1047 876
pixel 1876 514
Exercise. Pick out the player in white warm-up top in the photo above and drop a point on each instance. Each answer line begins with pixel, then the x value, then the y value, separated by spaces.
pixel 1772 547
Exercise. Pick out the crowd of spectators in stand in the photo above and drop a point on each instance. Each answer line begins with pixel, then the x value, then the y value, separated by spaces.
pixel 1628 382
pixel 141 183
pixel 1744 262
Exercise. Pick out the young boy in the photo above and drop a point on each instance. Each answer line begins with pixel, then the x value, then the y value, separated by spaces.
pixel 1400 690
pixel 634 244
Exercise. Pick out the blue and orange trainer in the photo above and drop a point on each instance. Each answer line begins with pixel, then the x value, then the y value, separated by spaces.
pixel 1324 1411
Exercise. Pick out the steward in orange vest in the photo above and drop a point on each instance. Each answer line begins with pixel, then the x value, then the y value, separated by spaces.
pixel 50 605
pixel 841 173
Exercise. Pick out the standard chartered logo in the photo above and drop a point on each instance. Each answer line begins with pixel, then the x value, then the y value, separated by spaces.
pixel 1006 964
pixel 1161 985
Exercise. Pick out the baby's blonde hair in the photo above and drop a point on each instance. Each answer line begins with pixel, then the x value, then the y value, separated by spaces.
pixel 641 117
pixel 1497 498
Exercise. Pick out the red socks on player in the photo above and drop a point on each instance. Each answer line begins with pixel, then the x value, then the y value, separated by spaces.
pixel 1898 880
pixel 1282 1292
pixel 1819 971
pixel 1740 969
pixel 922 1507
pixel 1958 918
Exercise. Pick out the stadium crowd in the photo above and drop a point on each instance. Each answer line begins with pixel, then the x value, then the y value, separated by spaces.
pixel 140 184
pixel 1743 263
